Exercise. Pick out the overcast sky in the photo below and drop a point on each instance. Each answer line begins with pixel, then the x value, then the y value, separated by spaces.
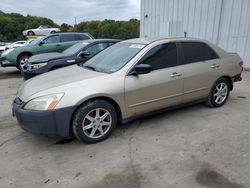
pixel 64 11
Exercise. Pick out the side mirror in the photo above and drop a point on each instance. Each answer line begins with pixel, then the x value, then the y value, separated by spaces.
pixel 41 43
pixel 84 54
pixel 141 69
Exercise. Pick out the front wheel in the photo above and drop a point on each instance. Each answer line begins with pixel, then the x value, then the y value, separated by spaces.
pixel 219 93
pixel 94 121
pixel 22 60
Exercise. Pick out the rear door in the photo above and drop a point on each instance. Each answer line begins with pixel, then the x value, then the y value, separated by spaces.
pixel 68 40
pixel 200 66
pixel 158 89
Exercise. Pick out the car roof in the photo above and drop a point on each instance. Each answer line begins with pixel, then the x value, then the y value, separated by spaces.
pixel 101 40
pixel 70 33
pixel 156 39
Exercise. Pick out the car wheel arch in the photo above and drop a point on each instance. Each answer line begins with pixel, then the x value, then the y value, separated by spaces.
pixel 31 31
pixel 228 78
pixel 24 53
pixel 108 99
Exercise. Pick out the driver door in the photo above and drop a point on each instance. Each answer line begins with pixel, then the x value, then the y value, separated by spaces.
pixel 160 88
pixel 51 44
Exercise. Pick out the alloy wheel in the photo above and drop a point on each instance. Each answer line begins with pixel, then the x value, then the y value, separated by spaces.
pixel 220 93
pixel 23 62
pixel 97 123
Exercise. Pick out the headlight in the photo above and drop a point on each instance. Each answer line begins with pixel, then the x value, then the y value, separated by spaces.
pixel 39 65
pixel 47 102
pixel 6 52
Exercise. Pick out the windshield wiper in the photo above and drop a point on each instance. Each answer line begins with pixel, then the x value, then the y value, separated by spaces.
pixel 89 67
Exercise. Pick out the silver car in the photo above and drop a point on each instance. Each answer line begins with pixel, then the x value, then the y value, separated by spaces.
pixel 129 80
pixel 41 30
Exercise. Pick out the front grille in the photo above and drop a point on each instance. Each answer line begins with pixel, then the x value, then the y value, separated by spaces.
pixel 18 101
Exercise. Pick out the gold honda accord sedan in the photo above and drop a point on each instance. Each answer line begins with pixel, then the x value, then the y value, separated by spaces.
pixel 131 79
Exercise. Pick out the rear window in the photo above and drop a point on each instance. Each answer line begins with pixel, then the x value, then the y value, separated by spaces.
pixel 197 51
pixel 68 38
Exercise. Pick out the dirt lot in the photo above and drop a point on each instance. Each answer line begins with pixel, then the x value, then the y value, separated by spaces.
pixel 191 147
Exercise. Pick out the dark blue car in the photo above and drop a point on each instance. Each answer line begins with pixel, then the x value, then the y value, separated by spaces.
pixel 78 53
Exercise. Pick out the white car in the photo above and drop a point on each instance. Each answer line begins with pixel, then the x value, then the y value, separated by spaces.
pixel 41 30
pixel 16 44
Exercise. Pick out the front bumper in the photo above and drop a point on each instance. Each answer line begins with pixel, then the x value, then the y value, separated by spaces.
pixel 28 74
pixel 53 123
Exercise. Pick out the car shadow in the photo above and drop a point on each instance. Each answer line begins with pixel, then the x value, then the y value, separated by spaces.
pixel 124 131
pixel 10 74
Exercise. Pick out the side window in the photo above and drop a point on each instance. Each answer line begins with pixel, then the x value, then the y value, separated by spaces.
pixel 162 56
pixel 44 26
pixel 52 39
pixel 96 48
pixel 68 38
pixel 82 37
pixel 196 52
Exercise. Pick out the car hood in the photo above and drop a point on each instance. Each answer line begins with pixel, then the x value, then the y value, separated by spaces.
pixel 54 79
pixel 47 57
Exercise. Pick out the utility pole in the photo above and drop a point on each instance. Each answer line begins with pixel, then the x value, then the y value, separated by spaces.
pixel 75 24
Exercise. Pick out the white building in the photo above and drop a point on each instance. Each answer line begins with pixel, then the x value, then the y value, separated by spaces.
pixel 224 22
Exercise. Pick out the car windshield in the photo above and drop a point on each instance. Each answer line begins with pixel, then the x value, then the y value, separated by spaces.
pixel 75 48
pixel 113 58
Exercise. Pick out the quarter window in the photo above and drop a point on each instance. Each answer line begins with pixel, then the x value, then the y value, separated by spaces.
pixel 81 37
pixel 196 52
pixel 162 56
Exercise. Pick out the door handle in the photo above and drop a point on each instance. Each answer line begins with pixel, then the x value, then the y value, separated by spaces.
pixel 175 74
pixel 215 66
pixel 58 45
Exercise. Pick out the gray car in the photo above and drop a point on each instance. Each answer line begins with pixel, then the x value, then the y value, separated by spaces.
pixel 129 80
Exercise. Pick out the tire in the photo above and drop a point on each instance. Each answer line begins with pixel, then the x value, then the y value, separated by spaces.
pixel 52 32
pixel 87 124
pixel 30 33
pixel 21 60
pixel 219 93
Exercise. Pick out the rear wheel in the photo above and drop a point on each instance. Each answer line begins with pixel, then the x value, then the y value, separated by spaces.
pixel 53 32
pixel 31 33
pixel 219 93
pixel 21 61
pixel 94 121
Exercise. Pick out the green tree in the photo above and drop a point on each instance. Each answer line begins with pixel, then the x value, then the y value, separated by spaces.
pixel 12 25
pixel 111 28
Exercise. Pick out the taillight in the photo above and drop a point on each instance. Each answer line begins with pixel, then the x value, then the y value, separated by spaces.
pixel 241 64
